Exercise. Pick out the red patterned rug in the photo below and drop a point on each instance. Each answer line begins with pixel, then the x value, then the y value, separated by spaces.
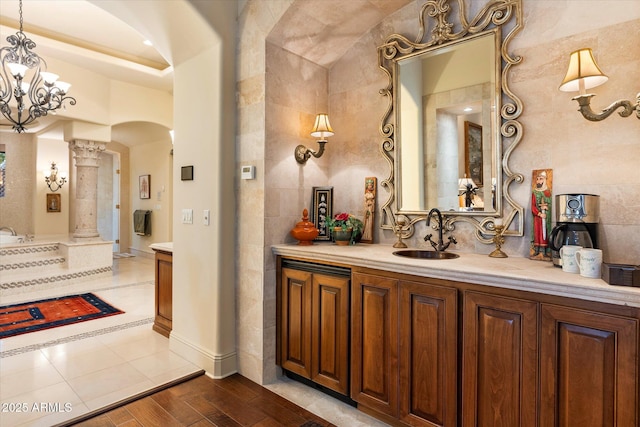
pixel 17 319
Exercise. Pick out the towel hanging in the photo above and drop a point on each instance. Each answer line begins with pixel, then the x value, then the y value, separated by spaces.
pixel 142 222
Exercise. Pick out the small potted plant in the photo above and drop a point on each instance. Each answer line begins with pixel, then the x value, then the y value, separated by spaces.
pixel 345 228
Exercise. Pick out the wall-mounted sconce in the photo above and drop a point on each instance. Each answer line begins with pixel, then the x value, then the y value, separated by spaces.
pixel 583 74
pixel 321 129
pixel 51 177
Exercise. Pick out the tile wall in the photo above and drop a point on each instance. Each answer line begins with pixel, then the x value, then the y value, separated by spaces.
pixel 279 93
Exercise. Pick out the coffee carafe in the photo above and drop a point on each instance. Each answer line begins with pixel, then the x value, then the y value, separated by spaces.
pixel 577 217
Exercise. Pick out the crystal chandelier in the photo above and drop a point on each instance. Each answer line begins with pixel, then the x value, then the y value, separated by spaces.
pixel 21 101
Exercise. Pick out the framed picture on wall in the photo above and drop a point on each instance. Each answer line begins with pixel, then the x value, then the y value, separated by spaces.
pixel 473 152
pixel 144 183
pixel 53 202
pixel 321 207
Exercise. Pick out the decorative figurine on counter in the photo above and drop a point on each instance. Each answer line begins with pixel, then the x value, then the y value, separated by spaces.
pixel 369 209
pixel 397 229
pixel 541 197
pixel 498 239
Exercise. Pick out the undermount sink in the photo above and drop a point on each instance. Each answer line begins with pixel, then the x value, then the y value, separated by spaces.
pixel 422 254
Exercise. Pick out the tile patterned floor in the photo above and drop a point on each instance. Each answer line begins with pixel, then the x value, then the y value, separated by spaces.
pixel 58 374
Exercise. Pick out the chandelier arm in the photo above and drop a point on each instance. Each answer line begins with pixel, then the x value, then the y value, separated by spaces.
pixel 43 96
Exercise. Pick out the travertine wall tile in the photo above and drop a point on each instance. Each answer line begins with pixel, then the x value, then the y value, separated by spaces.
pixel 597 158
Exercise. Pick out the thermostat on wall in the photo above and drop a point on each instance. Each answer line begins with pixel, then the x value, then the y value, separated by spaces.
pixel 248 172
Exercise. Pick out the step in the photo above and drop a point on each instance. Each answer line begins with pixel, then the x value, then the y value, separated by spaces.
pixel 11 268
pixel 35 266
pixel 56 276
pixel 11 254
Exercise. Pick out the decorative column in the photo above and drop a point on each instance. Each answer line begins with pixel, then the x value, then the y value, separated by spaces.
pixel 86 154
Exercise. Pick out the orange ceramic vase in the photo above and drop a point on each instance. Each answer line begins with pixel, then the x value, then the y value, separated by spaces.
pixel 305 231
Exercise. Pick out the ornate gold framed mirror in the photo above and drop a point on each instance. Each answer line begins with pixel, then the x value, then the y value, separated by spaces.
pixel 452 120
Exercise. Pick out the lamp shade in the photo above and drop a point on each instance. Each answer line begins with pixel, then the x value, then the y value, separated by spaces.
pixel 582 69
pixel 463 183
pixel 322 127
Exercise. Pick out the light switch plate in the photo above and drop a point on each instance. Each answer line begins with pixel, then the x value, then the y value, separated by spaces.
pixel 187 216
pixel 206 215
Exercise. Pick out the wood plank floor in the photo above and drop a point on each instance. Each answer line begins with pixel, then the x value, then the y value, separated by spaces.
pixel 203 401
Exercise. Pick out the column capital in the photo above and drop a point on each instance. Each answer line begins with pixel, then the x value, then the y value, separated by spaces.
pixel 87 153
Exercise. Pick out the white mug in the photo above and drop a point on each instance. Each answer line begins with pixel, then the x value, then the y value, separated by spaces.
pixel 589 261
pixel 567 255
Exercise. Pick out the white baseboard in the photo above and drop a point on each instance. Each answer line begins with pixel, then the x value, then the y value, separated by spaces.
pixel 215 365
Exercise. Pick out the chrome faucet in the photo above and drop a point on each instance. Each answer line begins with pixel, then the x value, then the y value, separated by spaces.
pixel 13 232
pixel 440 246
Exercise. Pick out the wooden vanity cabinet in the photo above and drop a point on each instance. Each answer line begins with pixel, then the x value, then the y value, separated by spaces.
pixel 296 321
pixel 428 354
pixel 526 359
pixel 163 320
pixel 500 361
pixel 404 349
pixel 433 352
pixel 589 368
pixel 374 343
pixel 314 325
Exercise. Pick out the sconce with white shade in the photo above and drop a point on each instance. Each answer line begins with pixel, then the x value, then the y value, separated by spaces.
pixel 321 129
pixel 583 74
pixel 51 177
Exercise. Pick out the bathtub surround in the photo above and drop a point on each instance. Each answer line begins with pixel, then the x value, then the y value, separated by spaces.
pixel 45 263
pixel 42 265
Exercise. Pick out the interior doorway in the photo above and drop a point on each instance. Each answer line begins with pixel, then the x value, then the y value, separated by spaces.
pixel 109 198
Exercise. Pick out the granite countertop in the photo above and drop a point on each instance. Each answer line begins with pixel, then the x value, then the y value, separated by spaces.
pixel 164 247
pixel 512 273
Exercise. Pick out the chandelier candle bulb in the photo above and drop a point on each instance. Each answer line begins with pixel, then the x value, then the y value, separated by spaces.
pixel 49 78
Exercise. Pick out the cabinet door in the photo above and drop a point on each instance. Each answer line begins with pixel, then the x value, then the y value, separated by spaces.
pixel 374 369
pixel 500 361
pixel 330 332
pixel 589 365
pixel 428 354
pixel 296 321
pixel 163 321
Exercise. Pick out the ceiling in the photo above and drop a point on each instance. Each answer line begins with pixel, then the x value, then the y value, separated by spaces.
pixel 85 35
pixel 323 31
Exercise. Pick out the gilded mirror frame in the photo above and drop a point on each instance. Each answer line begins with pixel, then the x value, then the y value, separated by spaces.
pixel 499 16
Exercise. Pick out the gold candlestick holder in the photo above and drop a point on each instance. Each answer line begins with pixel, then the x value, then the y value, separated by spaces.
pixel 498 240
pixel 398 232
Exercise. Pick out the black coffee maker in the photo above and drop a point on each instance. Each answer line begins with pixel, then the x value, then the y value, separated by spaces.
pixel 577 217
